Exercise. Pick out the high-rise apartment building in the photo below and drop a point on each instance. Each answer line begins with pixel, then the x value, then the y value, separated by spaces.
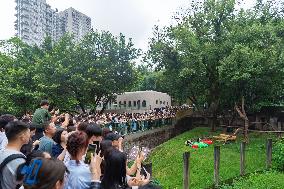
pixel 76 23
pixel 36 20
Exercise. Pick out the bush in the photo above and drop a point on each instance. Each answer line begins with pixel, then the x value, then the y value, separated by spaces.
pixel 278 155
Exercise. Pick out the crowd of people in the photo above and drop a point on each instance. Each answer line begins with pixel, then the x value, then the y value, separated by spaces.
pixel 124 123
pixel 52 151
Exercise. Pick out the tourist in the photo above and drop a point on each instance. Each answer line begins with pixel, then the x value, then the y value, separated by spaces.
pixel 18 134
pixel 94 133
pixel 4 120
pixel 59 148
pixel 116 140
pixel 50 174
pixel 28 148
pixel 40 116
pixel 46 142
pixel 80 175
pixel 115 172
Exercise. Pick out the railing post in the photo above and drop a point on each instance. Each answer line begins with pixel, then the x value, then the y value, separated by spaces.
pixel 269 153
pixel 186 172
pixel 216 164
pixel 242 158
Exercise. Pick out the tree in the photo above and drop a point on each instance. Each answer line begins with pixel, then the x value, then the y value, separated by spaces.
pixel 18 89
pixel 69 74
pixel 217 53
pixel 89 72
pixel 193 50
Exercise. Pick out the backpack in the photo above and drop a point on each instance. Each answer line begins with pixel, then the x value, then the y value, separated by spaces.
pixel 7 160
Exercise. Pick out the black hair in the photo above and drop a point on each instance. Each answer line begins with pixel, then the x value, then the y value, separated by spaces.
pixel 51 171
pixel 14 128
pixel 27 148
pixel 82 126
pixel 57 136
pixel 105 145
pixel 5 119
pixel 93 130
pixel 30 156
pixel 45 125
pixel 44 102
pixel 115 170
pixel 33 126
pixel 71 128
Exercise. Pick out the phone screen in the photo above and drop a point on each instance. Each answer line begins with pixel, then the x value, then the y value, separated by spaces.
pixel 92 148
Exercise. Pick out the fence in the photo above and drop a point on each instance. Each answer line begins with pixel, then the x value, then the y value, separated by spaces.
pixel 186 163
pixel 133 126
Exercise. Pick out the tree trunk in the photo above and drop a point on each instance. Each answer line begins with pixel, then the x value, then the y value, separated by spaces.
pixel 104 105
pixel 214 96
pixel 213 123
pixel 82 107
pixel 241 111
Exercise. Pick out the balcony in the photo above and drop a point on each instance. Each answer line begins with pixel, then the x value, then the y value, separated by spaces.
pixel 25 2
pixel 24 8
pixel 25 29
pixel 24 16
pixel 25 37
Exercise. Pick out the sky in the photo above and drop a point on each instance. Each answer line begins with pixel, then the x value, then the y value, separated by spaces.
pixel 133 18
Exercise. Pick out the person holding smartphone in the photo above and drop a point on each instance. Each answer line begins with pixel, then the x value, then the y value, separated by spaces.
pixel 94 133
pixel 80 175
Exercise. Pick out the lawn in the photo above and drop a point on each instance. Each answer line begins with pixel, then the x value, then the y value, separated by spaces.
pixel 167 159
pixel 265 180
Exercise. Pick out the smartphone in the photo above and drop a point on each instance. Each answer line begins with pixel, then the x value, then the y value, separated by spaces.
pixel 92 148
pixel 98 146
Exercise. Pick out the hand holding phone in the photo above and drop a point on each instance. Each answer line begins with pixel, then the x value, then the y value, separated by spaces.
pixel 92 148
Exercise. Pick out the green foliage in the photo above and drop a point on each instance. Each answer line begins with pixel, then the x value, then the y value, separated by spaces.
pixel 265 180
pixel 168 164
pixel 278 155
pixel 70 74
pixel 217 53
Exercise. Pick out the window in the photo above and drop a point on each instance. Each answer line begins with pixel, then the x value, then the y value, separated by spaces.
pixel 119 103
pixel 134 103
pixel 160 102
pixel 138 104
pixel 164 102
pixel 167 103
pixel 144 103
pixel 156 101
pixel 124 103
pixel 129 103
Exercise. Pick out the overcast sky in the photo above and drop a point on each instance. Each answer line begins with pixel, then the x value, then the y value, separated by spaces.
pixel 133 18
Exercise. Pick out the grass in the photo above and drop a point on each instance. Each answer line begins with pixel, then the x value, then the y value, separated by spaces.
pixel 265 180
pixel 168 164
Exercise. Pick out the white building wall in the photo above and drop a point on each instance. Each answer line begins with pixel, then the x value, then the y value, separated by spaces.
pixel 151 98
